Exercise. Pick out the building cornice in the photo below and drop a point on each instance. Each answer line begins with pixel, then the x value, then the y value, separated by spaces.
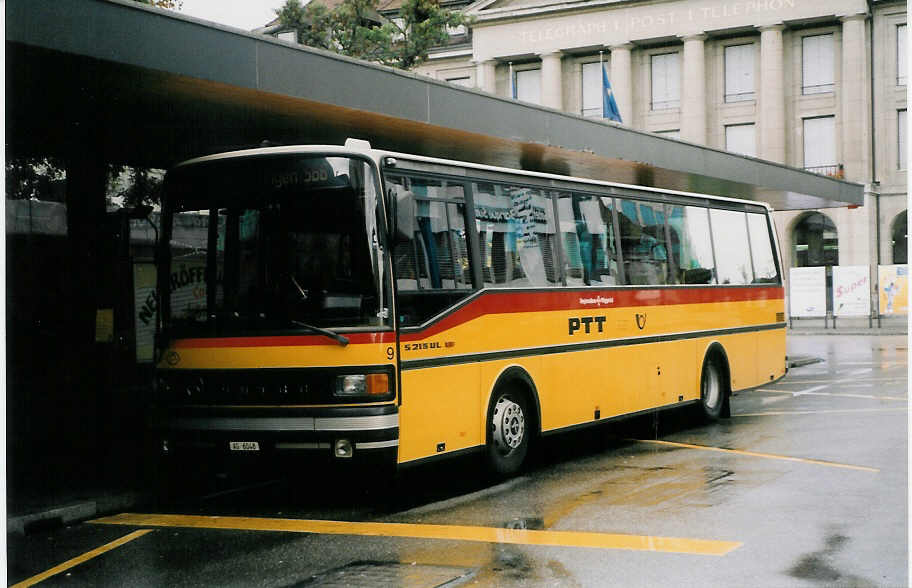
pixel 463 51
pixel 485 16
pixel 536 10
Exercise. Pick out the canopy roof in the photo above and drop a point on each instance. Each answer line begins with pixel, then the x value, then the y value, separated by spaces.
pixel 151 87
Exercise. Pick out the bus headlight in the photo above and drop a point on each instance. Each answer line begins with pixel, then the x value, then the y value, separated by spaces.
pixel 343 448
pixel 362 385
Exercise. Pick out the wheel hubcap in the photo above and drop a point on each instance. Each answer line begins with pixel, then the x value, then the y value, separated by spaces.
pixel 509 425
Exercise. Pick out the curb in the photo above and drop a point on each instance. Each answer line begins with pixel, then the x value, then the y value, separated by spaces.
pixel 71 513
pixel 848 331
pixel 803 361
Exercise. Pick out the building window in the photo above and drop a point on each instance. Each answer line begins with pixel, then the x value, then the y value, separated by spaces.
pixel 901 138
pixel 673 133
pixel 820 145
pixel 527 85
pixel 463 81
pixel 900 236
pixel 592 89
pixel 817 64
pixel 739 73
pixel 741 139
pixel 666 81
pixel 901 55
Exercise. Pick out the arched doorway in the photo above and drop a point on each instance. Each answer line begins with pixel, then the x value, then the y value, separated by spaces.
pixel 815 243
pixel 899 233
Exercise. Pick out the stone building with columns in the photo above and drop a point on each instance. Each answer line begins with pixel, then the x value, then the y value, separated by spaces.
pixel 815 84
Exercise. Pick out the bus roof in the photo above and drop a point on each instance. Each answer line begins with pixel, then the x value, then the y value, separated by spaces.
pixel 358 147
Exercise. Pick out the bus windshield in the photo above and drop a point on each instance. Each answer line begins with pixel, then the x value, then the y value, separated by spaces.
pixel 291 242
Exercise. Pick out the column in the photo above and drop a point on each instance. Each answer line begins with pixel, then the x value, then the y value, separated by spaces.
pixel 485 75
pixel 622 81
pixel 856 136
pixel 772 94
pixel 693 91
pixel 552 89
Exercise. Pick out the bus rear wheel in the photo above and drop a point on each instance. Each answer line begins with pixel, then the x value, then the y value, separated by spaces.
pixel 712 390
pixel 508 432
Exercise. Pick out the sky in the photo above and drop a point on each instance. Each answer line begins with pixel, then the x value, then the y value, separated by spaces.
pixel 242 14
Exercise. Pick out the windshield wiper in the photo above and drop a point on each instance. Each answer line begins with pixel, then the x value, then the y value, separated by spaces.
pixel 343 341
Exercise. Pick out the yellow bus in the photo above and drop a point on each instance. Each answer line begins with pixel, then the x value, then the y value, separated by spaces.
pixel 352 303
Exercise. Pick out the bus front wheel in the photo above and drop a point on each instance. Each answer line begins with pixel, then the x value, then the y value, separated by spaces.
pixel 712 390
pixel 508 432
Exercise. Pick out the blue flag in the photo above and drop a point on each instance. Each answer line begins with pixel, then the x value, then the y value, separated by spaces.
pixel 609 106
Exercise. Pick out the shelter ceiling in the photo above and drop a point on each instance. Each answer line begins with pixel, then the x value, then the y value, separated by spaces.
pixel 75 91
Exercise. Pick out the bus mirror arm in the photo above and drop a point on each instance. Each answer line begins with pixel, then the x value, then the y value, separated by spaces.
pixel 391 207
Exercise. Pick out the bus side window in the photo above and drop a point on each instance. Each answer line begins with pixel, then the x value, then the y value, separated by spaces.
pixel 587 236
pixel 642 226
pixel 730 243
pixel 516 232
pixel 691 246
pixel 432 267
pixel 761 245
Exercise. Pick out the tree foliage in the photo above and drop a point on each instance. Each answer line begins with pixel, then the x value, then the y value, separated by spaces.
pixel 130 187
pixel 44 178
pixel 35 178
pixel 312 23
pixel 356 28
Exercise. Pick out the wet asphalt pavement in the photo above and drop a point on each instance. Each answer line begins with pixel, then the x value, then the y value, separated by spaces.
pixel 806 485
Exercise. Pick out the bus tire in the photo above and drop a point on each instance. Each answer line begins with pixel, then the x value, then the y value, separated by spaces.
pixel 713 390
pixel 509 431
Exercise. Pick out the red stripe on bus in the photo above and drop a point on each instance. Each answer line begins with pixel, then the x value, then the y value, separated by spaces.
pixel 283 340
pixel 514 302
pixel 504 302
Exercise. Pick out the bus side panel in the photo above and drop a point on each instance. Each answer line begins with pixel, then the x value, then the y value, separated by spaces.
pixel 656 374
pixel 678 374
pixel 439 412
pixel 568 386
pixel 770 356
pixel 741 351
pixel 615 381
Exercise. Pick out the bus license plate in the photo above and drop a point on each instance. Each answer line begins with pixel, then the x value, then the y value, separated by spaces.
pixel 244 446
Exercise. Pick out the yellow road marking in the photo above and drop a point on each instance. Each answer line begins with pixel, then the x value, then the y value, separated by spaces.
pixel 82 558
pixel 830 411
pixel 763 455
pixel 443 532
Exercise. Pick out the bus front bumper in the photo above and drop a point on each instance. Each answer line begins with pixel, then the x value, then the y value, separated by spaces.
pixel 342 433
